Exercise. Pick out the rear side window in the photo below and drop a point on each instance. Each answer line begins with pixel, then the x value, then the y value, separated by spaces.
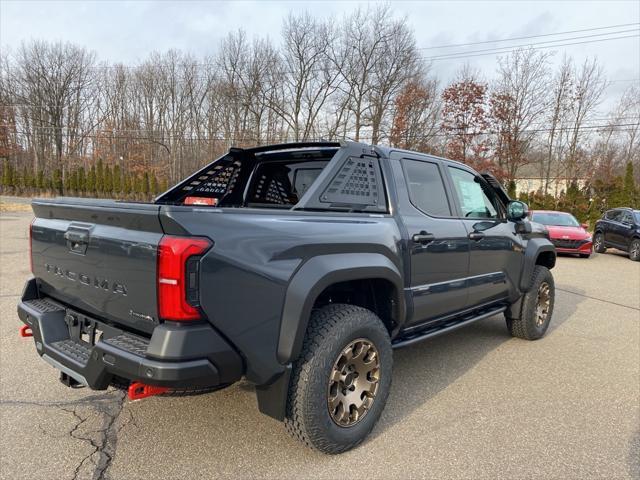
pixel 626 218
pixel 426 189
pixel 614 215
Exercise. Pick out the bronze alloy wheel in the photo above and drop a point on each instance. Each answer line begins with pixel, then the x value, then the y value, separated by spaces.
pixel 544 303
pixel 353 383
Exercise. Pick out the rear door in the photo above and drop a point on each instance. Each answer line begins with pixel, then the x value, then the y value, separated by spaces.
pixel 627 228
pixel 99 257
pixel 495 251
pixel 437 245
pixel 613 230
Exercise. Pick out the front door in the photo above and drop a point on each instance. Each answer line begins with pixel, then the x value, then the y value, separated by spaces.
pixel 437 242
pixel 495 250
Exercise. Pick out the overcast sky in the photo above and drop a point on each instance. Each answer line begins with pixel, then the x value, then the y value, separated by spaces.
pixel 127 31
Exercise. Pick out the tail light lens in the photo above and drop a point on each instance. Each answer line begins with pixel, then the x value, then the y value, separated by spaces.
pixel 178 265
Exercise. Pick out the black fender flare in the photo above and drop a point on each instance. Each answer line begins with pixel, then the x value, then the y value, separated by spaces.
pixel 317 274
pixel 535 247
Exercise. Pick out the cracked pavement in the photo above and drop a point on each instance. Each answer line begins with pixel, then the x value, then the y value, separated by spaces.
pixel 473 404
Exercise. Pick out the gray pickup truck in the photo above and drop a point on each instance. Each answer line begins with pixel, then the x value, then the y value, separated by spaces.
pixel 298 267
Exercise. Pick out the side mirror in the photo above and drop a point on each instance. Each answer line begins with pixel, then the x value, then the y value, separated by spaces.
pixel 585 226
pixel 517 210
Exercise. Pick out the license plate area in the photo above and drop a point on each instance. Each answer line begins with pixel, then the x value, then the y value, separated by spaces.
pixel 83 329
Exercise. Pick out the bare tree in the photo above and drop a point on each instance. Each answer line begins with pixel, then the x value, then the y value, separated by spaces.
pixel 556 115
pixel 587 92
pixel 308 77
pixel 518 102
pixel 53 83
pixel 365 39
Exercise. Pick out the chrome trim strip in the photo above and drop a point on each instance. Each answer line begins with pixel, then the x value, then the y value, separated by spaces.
pixel 493 277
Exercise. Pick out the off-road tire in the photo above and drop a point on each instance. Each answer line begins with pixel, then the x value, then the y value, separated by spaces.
pixel 331 329
pixel 527 326
pixel 634 250
pixel 598 243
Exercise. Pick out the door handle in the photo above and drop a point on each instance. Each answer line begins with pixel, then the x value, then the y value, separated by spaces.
pixel 423 237
pixel 476 236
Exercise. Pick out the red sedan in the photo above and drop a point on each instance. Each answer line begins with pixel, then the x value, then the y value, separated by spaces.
pixel 565 232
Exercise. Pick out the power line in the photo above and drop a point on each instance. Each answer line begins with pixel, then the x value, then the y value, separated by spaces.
pixel 463 55
pixel 454 55
pixel 527 37
pixel 536 43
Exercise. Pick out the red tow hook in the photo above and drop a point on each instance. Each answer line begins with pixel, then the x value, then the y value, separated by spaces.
pixel 25 331
pixel 138 391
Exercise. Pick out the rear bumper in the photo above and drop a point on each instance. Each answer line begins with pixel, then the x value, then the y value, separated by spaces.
pixel 176 356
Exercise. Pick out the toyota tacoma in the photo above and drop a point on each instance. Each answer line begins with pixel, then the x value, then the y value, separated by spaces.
pixel 298 267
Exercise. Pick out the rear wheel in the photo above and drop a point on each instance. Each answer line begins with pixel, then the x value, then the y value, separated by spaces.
pixel 634 250
pixel 598 243
pixel 340 383
pixel 537 307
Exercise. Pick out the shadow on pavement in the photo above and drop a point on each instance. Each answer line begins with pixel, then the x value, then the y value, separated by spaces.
pixel 421 371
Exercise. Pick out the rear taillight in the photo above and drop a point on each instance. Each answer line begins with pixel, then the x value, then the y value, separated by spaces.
pixel 178 264
pixel 31 245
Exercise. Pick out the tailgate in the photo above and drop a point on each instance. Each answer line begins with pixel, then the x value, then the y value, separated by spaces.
pixel 99 256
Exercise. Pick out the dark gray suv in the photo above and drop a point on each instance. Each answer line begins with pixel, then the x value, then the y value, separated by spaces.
pixel 619 228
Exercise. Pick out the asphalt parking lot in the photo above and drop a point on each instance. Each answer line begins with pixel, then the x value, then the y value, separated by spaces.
pixel 473 404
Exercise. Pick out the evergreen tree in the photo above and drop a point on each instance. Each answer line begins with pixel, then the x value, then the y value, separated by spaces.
pixel 145 184
pixel 91 179
pixel 82 185
pixel 108 180
pixel 25 178
pixel 7 175
pixel 57 179
pixel 117 179
pixel 164 184
pixel 629 191
pixel 137 183
pixel 100 176
pixel 154 184
pixel 40 182
pixel 73 181
pixel 127 184
pixel 67 181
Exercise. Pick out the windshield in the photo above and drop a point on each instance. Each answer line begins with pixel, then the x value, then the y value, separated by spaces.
pixel 556 219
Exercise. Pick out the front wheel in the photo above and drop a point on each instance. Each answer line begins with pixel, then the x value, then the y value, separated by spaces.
pixel 634 250
pixel 537 307
pixel 340 383
pixel 598 243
